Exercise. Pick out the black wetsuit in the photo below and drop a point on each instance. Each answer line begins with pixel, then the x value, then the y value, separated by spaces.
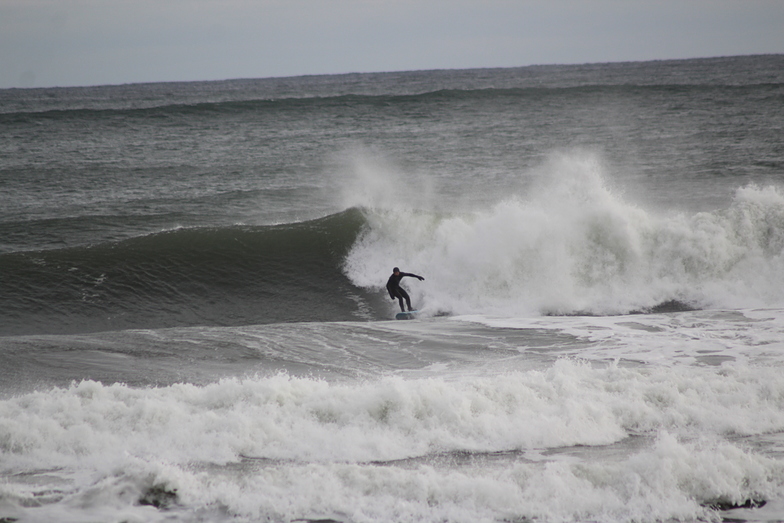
pixel 396 291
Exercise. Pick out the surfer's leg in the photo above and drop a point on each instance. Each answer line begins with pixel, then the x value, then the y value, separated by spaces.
pixel 400 299
pixel 399 296
pixel 408 300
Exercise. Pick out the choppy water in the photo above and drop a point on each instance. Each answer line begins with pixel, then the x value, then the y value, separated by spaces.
pixel 194 326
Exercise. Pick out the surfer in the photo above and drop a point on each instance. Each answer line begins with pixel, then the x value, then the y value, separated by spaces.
pixel 396 291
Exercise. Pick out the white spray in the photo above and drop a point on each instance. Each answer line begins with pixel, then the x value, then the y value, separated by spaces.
pixel 572 245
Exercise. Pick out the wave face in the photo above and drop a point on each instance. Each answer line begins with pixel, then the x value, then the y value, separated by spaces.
pixel 204 276
pixel 575 246
pixel 571 245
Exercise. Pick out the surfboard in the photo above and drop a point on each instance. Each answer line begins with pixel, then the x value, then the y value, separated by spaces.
pixel 410 315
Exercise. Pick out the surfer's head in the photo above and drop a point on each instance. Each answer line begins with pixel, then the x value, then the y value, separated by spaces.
pixel 395 270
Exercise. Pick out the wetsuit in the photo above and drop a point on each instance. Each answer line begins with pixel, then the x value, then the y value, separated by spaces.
pixel 396 291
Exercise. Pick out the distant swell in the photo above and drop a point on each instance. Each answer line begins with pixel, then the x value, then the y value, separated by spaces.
pixel 203 276
pixel 387 102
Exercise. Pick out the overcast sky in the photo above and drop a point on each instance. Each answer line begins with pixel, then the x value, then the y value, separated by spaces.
pixel 89 42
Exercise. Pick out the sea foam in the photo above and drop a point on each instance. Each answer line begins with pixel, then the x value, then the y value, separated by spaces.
pixel 573 244
pixel 422 449
pixel 392 418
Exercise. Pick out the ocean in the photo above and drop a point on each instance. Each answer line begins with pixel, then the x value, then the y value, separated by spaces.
pixel 194 325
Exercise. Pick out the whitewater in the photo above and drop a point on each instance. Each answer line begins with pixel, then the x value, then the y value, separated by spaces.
pixel 573 245
pixel 194 325
pixel 613 419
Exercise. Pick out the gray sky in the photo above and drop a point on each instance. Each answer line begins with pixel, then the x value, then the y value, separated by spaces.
pixel 88 42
